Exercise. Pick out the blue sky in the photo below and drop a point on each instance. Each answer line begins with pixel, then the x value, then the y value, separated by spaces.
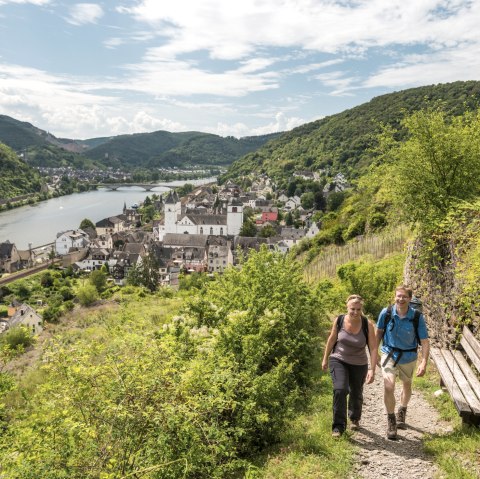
pixel 249 67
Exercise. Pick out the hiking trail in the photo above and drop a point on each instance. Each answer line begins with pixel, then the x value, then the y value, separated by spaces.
pixel 379 457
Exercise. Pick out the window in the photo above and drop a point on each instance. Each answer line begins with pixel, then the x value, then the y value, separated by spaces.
pixel 234 209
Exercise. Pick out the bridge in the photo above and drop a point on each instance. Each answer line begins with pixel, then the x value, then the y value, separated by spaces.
pixel 145 186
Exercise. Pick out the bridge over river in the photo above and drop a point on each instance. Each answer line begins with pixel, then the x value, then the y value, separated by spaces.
pixel 145 186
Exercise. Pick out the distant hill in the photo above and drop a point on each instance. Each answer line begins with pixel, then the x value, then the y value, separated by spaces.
pixel 343 142
pixel 142 150
pixel 16 178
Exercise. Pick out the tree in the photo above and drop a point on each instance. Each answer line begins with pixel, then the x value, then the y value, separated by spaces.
pixel 307 200
pixel 289 219
pixel 148 213
pixel 319 201
pixel 248 229
pixel 267 231
pixel 98 278
pixel 146 274
pixel 86 223
pixel 87 294
pixel 437 167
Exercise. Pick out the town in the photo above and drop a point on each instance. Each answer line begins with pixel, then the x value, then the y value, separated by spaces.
pixel 204 231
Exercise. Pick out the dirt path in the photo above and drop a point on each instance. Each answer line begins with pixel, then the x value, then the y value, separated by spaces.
pixel 379 457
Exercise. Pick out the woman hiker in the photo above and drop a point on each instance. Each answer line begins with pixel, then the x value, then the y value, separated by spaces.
pixel 347 357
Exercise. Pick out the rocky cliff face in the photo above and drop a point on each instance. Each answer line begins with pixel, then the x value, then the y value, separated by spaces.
pixel 444 270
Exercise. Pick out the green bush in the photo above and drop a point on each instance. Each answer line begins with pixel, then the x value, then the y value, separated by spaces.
pixel 19 337
pixel 87 295
pixel 374 281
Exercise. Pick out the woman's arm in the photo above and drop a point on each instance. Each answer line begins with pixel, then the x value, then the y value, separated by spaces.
pixel 332 339
pixel 373 347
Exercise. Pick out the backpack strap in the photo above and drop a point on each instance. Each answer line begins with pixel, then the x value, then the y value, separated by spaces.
pixel 416 321
pixel 340 320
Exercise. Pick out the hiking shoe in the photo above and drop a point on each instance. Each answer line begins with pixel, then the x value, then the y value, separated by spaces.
pixel 400 417
pixel 336 433
pixel 392 427
pixel 354 424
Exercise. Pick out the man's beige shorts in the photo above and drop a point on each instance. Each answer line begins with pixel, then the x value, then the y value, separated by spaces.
pixel 404 371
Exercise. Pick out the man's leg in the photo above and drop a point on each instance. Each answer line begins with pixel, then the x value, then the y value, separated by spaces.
pixel 406 393
pixel 389 373
pixel 405 372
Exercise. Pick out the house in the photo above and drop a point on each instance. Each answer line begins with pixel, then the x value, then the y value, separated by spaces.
pixel 271 215
pixel 120 264
pixel 10 260
pixel 305 174
pixel 103 241
pixel 110 225
pixel 219 254
pixel 292 203
pixel 313 230
pixel 21 314
pixel 95 259
pixel 71 240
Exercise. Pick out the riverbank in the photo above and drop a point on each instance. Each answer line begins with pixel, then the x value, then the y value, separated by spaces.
pixel 38 223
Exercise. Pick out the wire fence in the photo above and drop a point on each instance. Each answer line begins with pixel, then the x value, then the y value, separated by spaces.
pixel 325 264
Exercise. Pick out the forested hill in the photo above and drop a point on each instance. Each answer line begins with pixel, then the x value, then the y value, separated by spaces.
pixel 17 178
pixel 342 142
pixel 165 149
pixel 143 150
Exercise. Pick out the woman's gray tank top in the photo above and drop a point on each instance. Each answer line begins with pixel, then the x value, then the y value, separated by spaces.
pixel 350 348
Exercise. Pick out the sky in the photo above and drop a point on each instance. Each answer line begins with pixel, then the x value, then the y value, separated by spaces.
pixel 232 68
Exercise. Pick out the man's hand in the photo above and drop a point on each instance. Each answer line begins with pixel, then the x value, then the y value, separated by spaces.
pixel 421 369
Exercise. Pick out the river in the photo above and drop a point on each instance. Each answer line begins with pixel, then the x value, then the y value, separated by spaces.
pixel 39 224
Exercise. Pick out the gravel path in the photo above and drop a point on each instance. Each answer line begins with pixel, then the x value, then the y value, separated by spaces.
pixel 379 457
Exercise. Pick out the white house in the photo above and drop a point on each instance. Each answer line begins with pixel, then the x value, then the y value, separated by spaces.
pixel 22 315
pixel 72 239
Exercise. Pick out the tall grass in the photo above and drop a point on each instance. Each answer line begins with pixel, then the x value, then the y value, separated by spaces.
pixel 325 264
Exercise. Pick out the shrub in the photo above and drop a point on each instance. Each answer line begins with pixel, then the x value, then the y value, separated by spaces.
pixel 19 337
pixel 87 295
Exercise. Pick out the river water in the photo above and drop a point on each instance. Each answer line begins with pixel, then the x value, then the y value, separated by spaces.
pixel 39 224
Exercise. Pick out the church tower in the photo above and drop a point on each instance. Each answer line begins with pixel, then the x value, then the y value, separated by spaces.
pixel 170 213
pixel 234 217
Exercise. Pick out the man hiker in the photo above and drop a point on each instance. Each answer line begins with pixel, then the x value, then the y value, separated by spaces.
pixel 402 329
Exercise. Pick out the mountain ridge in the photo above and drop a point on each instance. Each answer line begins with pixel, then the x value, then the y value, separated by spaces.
pixel 138 150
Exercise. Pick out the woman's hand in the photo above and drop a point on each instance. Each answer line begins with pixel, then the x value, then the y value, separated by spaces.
pixel 370 377
pixel 325 365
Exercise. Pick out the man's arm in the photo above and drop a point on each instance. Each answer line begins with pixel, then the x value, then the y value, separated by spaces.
pixel 422 367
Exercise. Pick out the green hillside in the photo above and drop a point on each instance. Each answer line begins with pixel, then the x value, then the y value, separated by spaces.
pixel 142 150
pixel 343 142
pixel 165 149
pixel 17 177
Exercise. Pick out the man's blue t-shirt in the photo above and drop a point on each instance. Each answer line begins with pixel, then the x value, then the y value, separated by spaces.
pixel 400 333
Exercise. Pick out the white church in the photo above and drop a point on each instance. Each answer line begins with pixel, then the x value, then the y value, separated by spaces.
pixel 178 221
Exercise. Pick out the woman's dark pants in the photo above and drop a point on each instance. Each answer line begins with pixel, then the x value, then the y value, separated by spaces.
pixel 348 381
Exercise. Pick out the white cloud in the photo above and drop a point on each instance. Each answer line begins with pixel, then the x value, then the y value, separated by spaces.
pixel 235 31
pixel 279 123
pixel 440 67
pixel 31 2
pixel 185 78
pixel 84 13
